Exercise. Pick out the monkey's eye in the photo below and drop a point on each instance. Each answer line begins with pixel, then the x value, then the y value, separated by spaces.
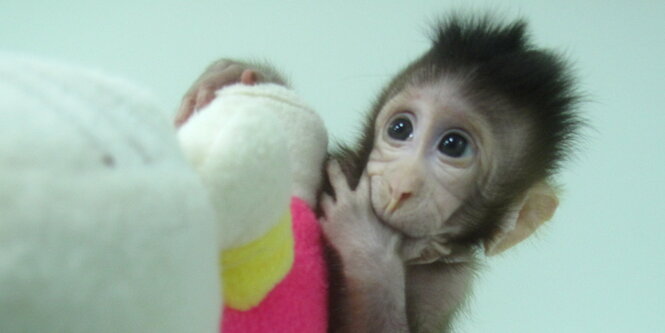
pixel 400 129
pixel 454 145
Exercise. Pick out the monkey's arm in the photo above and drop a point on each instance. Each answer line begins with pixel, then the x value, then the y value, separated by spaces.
pixel 221 73
pixel 435 292
pixel 373 273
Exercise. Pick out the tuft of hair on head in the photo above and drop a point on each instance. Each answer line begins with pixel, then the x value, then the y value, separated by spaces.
pixel 497 58
pixel 473 39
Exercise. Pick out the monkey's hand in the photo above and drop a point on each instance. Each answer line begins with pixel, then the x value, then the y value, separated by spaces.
pixel 373 299
pixel 349 222
pixel 219 74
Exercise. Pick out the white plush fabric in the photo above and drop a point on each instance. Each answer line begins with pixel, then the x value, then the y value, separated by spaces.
pixel 236 146
pixel 255 146
pixel 306 135
pixel 103 225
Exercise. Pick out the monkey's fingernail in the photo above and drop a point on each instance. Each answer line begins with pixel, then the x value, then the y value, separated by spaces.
pixel 443 250
pixel 392 205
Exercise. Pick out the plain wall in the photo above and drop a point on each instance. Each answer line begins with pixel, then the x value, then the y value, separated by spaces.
pixel 598 266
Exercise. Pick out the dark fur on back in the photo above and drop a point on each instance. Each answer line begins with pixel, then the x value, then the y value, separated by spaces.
pixel 506 78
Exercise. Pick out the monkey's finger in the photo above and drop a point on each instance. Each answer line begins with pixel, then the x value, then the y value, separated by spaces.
pixel 363 185
pixel 327 203
pixel 185 110
pixel 323 221
pixel 337 178
pixel 219 65
pixel 203 97
pixel 250 77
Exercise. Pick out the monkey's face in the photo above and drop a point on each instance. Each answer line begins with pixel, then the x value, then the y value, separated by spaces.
pixel 429 154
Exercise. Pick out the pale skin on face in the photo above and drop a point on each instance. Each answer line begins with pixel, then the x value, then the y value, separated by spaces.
pixel 415 186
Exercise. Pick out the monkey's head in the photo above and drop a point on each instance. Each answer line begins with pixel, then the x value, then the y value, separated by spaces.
pixel 462 143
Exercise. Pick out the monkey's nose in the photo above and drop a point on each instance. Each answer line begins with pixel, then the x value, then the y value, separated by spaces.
pixel 397 201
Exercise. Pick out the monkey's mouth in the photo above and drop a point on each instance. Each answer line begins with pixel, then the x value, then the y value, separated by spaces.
pixel 386 218
pixel 408 218
pixel 396 202
pixel 403 223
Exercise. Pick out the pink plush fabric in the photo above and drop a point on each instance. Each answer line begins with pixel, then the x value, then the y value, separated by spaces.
pixel 299 303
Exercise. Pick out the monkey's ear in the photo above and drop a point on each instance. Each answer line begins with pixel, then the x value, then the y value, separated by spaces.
pixel 537 207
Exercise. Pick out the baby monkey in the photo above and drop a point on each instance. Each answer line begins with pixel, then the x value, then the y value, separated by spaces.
pixel 456 158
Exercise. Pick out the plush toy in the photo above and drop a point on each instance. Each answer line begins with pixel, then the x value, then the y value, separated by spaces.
pixel 257 148
pixel 106 227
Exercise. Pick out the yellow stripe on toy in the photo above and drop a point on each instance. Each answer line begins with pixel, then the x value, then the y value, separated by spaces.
pixel 251 271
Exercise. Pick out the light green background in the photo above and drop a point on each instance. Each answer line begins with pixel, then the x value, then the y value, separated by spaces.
pixel 599 266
